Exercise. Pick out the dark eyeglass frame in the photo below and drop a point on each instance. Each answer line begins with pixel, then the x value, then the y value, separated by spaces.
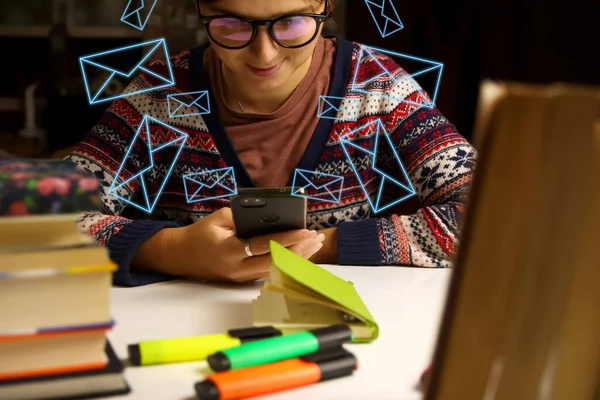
pixel 270 23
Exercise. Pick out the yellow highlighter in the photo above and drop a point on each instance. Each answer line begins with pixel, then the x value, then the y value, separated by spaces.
pixel 195 348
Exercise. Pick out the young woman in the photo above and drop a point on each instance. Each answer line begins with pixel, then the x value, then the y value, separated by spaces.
pixel 266 67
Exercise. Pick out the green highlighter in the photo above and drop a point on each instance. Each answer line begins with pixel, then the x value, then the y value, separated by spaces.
pixel 280 348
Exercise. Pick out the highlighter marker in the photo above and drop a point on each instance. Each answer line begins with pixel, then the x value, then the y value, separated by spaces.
pixel 280 348
pixel 279 376
pixel 194 348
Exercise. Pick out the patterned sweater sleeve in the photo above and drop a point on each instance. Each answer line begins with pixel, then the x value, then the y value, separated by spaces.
pixel 101 153
pixel 440 163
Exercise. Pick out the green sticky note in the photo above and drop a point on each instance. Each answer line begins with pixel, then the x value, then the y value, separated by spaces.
pixel 335 289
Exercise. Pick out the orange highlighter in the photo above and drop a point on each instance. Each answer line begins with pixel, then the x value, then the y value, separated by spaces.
pixel 278 376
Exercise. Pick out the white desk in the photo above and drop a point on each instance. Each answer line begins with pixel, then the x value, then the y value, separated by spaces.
pixel 406 302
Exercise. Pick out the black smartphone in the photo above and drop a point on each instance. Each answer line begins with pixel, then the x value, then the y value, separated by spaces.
pixel 261 211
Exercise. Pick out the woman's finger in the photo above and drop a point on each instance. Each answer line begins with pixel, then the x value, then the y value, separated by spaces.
pixel 223 218
pixel 307 248
pixel 255 266
pixel 262 275
pixel 258 267
pixel 261 244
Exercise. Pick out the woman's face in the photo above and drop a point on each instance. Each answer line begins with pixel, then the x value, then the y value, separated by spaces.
pixel 264 64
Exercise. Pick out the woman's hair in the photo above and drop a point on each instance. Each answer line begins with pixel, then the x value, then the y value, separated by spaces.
pixel 329 4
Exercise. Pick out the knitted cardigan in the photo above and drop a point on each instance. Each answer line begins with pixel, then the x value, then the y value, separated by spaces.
pixel 437 159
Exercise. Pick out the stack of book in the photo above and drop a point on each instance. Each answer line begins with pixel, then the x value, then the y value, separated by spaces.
pixel 54 287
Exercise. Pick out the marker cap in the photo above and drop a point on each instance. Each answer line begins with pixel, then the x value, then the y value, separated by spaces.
pixel 255 333
pixel 334 362
pixel 219 362
pixel 332 336
pixel 207 390
pixel 135 355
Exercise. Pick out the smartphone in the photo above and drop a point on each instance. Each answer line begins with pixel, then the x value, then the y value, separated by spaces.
pixel 258 211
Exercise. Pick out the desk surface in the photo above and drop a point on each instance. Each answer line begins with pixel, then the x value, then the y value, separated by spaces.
pixel 406 302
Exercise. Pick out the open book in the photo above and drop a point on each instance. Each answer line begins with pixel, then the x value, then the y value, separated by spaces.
pixel 302 296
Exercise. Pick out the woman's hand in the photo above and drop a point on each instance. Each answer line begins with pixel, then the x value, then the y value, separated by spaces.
pixel 329 253
pixel 209 250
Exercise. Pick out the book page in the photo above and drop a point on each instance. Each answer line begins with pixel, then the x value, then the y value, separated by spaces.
pixel 297 313
pixel 39 232
pixel 280 279
pixel 269 308
pixel 322 301
pixel 489 95
pixel 89 257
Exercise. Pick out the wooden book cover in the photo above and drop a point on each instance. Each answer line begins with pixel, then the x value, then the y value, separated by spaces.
pixel 521 321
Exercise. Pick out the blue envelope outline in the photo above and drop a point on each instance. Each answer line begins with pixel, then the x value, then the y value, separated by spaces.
pixel 222 175
pixel 148 205
pixel 302 177
pixel 176 102
pixel 385 16
pixel 329 110
pixel 90 61
pixel 140 14
pixel 367 53
pixel 376 205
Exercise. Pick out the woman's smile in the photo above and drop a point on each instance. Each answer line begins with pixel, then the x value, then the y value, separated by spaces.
pixel 266 72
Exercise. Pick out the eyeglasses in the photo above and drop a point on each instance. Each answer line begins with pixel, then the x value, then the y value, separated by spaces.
pixel 290 31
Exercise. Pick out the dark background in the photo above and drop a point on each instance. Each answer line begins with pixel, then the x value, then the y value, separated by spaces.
pixel 519 40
